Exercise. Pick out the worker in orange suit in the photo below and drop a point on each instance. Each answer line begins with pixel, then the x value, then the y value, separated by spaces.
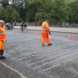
pixel 45 31
pixel 2 38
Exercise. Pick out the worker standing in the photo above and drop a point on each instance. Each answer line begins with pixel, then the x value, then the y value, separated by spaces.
pixel 45 31
pixel 2 38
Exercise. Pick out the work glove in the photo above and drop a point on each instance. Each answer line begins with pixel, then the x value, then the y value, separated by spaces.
pixel 49 32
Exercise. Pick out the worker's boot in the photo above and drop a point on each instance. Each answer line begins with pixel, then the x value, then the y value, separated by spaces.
pixel 2 57
pixel 49 44
pixel 1 54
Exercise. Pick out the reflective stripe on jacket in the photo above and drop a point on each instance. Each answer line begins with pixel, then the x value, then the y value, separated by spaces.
pixel 45 28
pixel 2 34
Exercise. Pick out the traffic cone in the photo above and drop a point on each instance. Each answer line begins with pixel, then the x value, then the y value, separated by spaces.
pixel 36 33
pixel 70 36
pixel 13 30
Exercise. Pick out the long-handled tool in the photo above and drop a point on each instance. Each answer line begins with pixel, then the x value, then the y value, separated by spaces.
pixel 5 42
pixel 52 37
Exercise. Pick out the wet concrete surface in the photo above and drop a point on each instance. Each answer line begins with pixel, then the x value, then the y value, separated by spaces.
pixel 24 53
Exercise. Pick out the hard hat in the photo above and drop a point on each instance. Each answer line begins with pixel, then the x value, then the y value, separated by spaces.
pixel 1 21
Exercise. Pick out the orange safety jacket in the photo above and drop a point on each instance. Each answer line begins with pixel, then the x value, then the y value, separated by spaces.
pixel 2 33
pixel 45 28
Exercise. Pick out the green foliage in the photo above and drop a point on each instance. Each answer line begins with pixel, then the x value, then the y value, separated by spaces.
pixel 3 14
pixel 46 10
pixel 40 10
pixel 61 13
pixel 73 10
pixel 31 11
pixel 12 13
pixel 4 2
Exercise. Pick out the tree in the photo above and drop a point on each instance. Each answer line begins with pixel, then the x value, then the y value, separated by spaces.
pixel 46 10
pixel 73 10
pixel 61 13
pixel 40 10
pixel 4 3
pixel 3 14
pixel 20 7
pixel 12 13
pixel 31 10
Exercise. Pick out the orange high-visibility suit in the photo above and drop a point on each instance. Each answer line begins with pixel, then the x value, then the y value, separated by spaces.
pixel 2 38
pixel 45 30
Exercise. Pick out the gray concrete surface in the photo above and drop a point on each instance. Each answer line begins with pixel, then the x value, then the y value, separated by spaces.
pixel 24 53
pixel 6 72
pixel 53 29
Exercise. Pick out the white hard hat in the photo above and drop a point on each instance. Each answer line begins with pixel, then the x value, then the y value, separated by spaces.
pixel 1 21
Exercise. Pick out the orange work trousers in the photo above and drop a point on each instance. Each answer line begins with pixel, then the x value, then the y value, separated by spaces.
pixel 1 45
pixel 45 37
